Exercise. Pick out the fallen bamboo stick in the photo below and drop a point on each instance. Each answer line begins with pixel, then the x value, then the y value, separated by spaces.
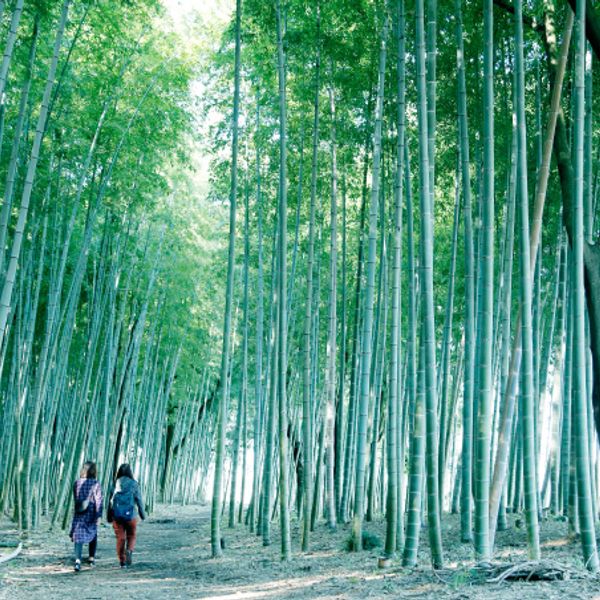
pixel 12 555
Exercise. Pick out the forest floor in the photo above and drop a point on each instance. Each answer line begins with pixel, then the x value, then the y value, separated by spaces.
pixel 172 560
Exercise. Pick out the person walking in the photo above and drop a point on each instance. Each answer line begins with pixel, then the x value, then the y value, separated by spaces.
pixel 87 496
pixel 125 497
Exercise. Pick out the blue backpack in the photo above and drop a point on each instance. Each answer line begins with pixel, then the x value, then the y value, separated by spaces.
pixel 123 505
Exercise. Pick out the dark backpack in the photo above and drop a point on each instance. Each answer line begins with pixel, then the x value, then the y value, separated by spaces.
pixel 123 505
pixel 81 505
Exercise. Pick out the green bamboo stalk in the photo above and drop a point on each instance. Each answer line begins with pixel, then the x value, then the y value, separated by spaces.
pixel 416 469
pixel 469 362
pixel 307 425
pixel 527 399
pixel 331 377
pixel 426 270
pixel 394 437
pixel 580 413
pixel 215 527
pixel 282 307
pixel 366 335
pixel 446 346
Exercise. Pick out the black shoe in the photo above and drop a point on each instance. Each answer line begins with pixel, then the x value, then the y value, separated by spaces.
pixel 123 565
pixel 92 561
pixel 128 557
pixel 77 566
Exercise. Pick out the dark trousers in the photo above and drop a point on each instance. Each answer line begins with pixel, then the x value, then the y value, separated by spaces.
pixel 92 548
pixel 126 536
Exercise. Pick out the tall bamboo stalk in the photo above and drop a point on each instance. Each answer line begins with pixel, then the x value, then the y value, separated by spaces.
pixel 215 528
pixel 485 332
pixel 526 401
pixel 366 334
pixel 282 293
pixel 426 270
pixel 579 399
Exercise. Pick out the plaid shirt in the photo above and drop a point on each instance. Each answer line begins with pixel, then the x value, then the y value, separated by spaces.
pixel 84 526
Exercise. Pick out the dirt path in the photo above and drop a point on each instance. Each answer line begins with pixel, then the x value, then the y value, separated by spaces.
pixel 164 563
pixel 172 561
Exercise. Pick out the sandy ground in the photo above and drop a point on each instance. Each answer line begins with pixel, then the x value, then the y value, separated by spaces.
pixel 172 560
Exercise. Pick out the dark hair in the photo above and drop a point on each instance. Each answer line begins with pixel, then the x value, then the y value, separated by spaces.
pixel 88 471
pixel 125 471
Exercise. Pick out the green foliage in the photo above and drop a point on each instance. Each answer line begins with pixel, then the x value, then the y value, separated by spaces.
pixel 370 541
pixel 120 268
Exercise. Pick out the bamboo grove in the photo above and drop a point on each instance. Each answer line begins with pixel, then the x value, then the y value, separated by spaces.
pixel 384 305
pixel 101 262
pixel 413 194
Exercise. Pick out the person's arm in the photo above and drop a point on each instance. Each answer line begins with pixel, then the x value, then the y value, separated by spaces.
pixel 138 500
pixel 109 508
pixel 98 501
pixel 73 520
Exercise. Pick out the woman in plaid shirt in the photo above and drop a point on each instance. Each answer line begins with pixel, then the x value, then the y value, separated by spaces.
pixel 87 495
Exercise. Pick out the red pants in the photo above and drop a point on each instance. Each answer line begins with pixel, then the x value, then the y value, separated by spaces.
pixel 125 533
